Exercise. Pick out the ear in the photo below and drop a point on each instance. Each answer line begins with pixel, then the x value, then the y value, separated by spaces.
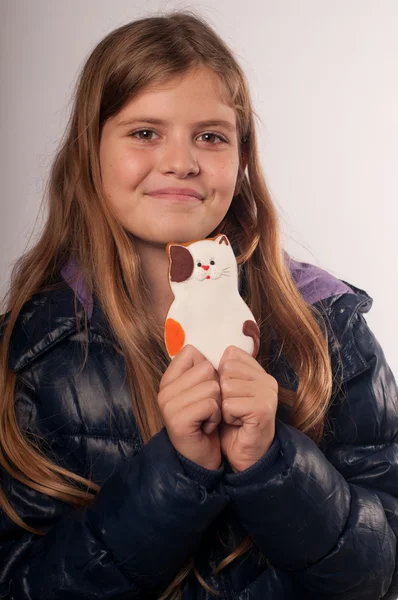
pixel 181 263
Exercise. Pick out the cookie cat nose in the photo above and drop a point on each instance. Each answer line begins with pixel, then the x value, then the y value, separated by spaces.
pixel 205 267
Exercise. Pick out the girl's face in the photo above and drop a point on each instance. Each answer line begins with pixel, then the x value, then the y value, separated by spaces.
pixel 177 152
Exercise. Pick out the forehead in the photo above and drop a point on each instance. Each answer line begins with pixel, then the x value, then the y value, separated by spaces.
pixel 190 96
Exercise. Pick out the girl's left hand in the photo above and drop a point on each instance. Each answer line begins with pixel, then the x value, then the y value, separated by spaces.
pixel 249 403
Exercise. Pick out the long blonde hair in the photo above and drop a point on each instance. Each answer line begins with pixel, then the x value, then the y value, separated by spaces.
pixel 81 226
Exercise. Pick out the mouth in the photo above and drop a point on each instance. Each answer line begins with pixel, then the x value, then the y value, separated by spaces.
pixel 177 197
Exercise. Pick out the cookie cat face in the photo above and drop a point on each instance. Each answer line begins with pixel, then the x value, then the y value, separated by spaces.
pixel 204 260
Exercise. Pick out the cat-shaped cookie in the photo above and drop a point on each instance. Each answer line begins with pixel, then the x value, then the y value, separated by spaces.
pixel 207 311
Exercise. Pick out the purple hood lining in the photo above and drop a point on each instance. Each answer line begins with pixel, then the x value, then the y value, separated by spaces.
pixel 314 283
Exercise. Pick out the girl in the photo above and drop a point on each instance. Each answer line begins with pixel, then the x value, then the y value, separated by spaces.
pixel 127 475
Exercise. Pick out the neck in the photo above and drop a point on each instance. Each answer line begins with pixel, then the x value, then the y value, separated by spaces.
pixel 154 265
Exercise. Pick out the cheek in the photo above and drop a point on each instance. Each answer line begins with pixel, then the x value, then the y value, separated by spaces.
pixel 121 170
pixel 229 168
pixel 223 177
pixel 119 173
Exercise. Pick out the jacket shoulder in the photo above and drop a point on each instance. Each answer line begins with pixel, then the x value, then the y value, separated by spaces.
pixel 44 320
pixel 318 285
pixel 338 306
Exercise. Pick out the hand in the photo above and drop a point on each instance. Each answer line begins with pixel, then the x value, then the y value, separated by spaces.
pixel 249 403
pixel 189 399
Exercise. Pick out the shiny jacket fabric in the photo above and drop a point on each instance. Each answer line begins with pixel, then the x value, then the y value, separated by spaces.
pixel 326 517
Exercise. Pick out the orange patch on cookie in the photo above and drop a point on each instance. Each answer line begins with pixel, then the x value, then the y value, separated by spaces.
pixel 174 337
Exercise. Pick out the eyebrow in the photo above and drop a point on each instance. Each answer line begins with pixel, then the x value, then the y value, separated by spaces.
pixel 208 123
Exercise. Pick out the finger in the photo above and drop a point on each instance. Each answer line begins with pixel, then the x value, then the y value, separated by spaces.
pixel 237 388
pixel 267 392
pixel 211 424
pixel 184 360
pixel 195 414
pixel 200 373
pixel 237 369
pixel 235 353
pixel 234 410
pixel 246 366
pixel 237 422
pixel 174 404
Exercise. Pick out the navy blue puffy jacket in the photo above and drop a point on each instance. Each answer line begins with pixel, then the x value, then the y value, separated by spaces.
pixel 326 517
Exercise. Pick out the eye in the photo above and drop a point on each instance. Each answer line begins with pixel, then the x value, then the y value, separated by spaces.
pixel 222 140
pixel 134 133
pixel 212 262
pixel 199 264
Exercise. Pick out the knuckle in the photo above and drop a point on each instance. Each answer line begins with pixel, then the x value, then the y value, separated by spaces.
pixel 216 416
pixel 165 409
pixel 207 368
pixel 227 386
pixel 212 403
pixel 228 366
pixel 187 350
pixel 231 352
pixel 193 351
pixel 214 388
pixel 226 407
pixel 273 383
pixel 161 397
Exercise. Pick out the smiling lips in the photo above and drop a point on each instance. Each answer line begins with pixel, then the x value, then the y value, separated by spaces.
pixel 173 191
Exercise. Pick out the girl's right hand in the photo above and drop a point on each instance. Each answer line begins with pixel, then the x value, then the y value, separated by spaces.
pixel 189 399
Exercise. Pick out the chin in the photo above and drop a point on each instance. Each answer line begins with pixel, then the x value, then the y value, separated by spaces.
pixel 181 237
pixel 181 234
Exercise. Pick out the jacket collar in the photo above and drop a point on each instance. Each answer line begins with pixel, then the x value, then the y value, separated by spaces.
pixel 49 317
pixel 44 320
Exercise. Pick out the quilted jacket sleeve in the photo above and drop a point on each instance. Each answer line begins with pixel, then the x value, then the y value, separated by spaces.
pixel 145 521
pixel 327 517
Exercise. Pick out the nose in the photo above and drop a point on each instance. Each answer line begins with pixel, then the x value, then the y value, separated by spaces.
pixel 179 158
pixel 206 267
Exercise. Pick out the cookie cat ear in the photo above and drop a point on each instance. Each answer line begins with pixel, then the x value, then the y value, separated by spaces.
pixel 181 263
pixel 222 239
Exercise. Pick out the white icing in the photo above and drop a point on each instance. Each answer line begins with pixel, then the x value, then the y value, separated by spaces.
pixel 211 311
